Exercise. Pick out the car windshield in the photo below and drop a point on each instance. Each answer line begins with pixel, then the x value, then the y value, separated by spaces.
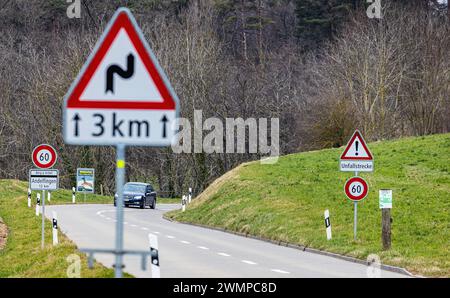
pixel 134 188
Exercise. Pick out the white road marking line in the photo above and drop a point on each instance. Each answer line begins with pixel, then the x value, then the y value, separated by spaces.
pixel 223 254
pixel 125 222
pixel 203 247
pixel 170 237
pixel 144 228
pixel 156 232
pixel 185 242
pixel 134 226
pixel 249 262
pixel 279 271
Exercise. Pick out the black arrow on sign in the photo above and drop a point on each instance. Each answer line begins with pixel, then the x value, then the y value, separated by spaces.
pixel 76 118
pixel 126 74
pixel 164 120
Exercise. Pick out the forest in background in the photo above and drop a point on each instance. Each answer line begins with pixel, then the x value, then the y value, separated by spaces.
pixel 322 67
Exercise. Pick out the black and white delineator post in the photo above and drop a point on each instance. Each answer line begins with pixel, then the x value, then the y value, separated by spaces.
pixel 190 194
pixel 73 195
pixel 29 198
pixel 327 224
pixel 43 220
pixel 55 228
pixel 38 204
pixel 183 203
pixel 49 196
pixel 153 239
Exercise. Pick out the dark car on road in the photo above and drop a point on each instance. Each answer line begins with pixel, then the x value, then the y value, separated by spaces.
pixel 138 194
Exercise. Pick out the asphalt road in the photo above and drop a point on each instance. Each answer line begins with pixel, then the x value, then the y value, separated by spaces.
pixel 187 251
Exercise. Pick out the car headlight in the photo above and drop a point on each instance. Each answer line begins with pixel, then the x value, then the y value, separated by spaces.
pixel 137 197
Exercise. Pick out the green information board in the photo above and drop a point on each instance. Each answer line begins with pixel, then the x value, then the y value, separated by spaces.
pixel 385 198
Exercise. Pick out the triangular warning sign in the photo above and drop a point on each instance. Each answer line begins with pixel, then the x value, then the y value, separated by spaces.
pixel 122 72
pixel 356 149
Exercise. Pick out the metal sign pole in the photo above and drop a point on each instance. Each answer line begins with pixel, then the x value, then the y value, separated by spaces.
pixel 120 178
pixel 355 219
pixel 43 219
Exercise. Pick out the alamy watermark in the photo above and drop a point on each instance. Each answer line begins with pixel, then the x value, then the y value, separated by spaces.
pixel 229 137
pixel 374 9
pixel 74 9
pixel 374 268
pixel 74 268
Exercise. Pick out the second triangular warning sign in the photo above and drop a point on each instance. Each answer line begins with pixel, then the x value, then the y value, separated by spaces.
pixel 356 149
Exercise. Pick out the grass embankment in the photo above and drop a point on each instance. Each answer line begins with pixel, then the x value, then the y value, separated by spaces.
pixel 286 201
pixel 22 256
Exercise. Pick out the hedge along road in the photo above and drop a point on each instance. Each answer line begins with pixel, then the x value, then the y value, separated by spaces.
pixel 189 251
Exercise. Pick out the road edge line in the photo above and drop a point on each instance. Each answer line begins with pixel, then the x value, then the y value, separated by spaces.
pixel 390 268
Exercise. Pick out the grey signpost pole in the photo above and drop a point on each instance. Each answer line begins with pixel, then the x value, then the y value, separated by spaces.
pixel 120 177
pixel 355 219
pixel 43 219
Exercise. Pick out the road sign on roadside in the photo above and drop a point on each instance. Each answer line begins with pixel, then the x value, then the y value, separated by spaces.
pixel 356 189
pixel 385 198
pixel 44 179
pixel 121 95
pixel 85 180
pixel 356 156
pixel 44 156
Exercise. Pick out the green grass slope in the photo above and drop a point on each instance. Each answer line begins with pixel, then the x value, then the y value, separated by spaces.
pixel 22 256
pixel 286 201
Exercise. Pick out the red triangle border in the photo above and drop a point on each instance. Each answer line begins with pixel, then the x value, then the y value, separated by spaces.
pixel 122 21
pixel 363 143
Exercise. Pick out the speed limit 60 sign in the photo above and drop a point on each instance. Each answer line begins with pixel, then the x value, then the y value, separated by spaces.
pixel 44 156
pixel 356 188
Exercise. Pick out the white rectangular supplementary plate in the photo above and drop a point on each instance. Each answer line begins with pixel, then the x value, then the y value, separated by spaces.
pixel 110 127
pixel 356 165
pixel 44 179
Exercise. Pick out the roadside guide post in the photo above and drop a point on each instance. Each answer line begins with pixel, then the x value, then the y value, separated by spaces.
pixel 154 255
pixel 190 194
pixel 29 197
pixel 356 158
pixel 327 224
pixel 183 203
pixel 38 204
pixel 55 227
pixel 121 97
pixel 73 195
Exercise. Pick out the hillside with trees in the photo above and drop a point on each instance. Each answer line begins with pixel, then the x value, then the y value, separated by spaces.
pixel 322 67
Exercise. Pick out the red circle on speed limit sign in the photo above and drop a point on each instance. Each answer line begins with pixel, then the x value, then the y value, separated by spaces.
pixel 356 188
pixel 44 156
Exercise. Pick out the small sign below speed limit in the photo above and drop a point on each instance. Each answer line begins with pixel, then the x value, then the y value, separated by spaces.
pixel 44 156
pixel 356 188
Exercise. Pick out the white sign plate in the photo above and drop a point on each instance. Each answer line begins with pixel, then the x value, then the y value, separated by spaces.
pixel 44 179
